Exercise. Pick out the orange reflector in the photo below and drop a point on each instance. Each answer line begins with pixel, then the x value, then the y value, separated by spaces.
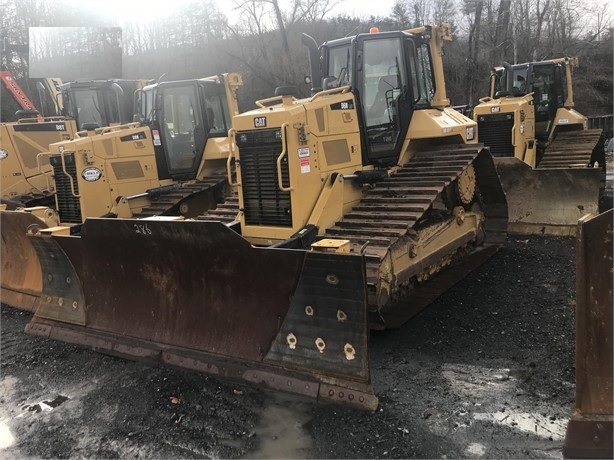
pixel 374 30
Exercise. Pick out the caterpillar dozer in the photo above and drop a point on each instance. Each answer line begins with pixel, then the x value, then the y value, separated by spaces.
pixel 77 104
pixel 357 207
pixel 170 162
pixel 22 183
pixel 551 165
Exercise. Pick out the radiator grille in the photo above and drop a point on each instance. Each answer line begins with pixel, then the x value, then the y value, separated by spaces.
pixel 495 131
pixel 68 205
pixel 263 202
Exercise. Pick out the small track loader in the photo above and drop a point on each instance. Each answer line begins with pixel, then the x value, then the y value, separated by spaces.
pixel 551 165
pixel 357 207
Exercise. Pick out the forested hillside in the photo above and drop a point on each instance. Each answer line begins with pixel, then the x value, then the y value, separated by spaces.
pixel 261 39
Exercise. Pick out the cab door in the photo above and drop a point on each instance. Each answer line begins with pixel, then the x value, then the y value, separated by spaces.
pixel 382 83
pixel 182 130
pixel 546 95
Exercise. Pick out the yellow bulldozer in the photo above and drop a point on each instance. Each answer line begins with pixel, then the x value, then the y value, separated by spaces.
pixel 551 165
pixel 77 104
pixel 357 207
pixel 165 163
pixel 21 179
pixel 172 161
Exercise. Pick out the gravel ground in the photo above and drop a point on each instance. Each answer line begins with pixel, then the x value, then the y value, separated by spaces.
pixel 487 371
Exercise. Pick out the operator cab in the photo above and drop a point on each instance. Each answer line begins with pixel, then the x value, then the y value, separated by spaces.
pixel 390 74
pixel 182 116
pixel 546 80
pixel 548 87
pixel 98 103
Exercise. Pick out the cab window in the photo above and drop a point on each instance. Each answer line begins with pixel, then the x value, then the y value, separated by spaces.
pixel 339 66
pixel 182 127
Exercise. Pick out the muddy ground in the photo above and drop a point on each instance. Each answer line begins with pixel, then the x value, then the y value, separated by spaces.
pixel 486 371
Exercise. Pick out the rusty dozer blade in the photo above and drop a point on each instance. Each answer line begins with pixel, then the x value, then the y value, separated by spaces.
pixel 21 278
pixel 548 201
pixel 591 427
pixel 196 295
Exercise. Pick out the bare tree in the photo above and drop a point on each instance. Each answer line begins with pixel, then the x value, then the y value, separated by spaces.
pixel 541 10
pixel 443 11
pixel 502 33
pixel 313 11
pixel 473 8
pixel 401 14
pixel 270 52
pixel 422 12
pixel 603 20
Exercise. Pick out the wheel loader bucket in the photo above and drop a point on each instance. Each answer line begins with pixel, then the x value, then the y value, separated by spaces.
pixel 196 295
pixel 548 201
pixel 21 278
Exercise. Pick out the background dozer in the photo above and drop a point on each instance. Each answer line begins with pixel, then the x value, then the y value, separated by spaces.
pixel 551 165
pixel 173 161
pixel 357 207
pixel 164 163
pixel 74 106
pixel 21 180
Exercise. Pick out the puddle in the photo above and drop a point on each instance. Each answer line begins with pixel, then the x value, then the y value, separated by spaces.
pixel 530 423
pixel 45 406
pixel 475 449
pixel 59 399
pixel 491 384
pixel 280 432
pixel 486 388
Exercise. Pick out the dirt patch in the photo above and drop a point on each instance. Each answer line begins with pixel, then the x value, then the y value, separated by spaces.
pixel 487 371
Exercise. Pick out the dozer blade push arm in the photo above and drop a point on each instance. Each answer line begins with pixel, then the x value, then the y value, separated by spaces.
pixel 196 295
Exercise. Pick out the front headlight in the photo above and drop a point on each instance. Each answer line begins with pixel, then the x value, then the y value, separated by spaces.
pixel 3 154
pixel 470 133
